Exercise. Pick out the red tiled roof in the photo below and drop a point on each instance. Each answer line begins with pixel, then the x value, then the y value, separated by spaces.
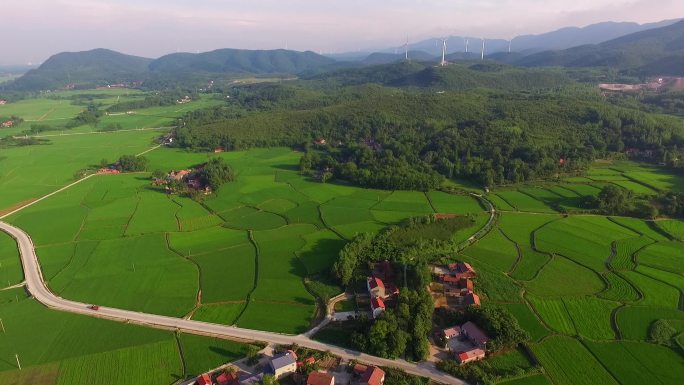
pixel 376 282
pixel 377 303
pixel 452 278
pixel 465 283
pixel 475 353
pixel 360 368
pixel 452 332
pixel 464 267
pixel 373 376
pixel 204 379
pixel 319 378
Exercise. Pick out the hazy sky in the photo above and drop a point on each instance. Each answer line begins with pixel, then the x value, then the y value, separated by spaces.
pixel 35 29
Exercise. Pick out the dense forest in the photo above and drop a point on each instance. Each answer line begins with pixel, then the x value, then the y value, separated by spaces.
pixel 412 137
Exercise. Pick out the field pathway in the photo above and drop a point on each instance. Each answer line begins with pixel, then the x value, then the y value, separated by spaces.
pixel 92 132
pixel 35 284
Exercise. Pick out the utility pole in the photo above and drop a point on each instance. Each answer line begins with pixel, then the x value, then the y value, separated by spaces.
pixel 18 363
pixel 134 267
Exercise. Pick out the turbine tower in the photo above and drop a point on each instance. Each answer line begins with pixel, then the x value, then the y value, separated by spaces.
pixel 467 42
pixel 444 48
pixel 510 42
pixel 483 47
pixel 406 49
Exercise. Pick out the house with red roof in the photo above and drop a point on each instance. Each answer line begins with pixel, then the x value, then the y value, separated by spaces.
pixel 204 379
pixel 471 299
pixel 376 287
pixel 3 102
pixel 471 355
pixel 475 334
pixel 451 332
pixel 377 307
pixel 8 124
pixel 372 376
pixel 320 378
pixel 465 283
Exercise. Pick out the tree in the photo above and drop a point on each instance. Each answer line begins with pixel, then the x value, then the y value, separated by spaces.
pixel 252 354
pixel 614 200
pixel 269 380
pixel 216 172
pixel 132 163
pixel 158 174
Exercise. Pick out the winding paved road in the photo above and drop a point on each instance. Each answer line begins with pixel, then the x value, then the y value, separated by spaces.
pixel 37 287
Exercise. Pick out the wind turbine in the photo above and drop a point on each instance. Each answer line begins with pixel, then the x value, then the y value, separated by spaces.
pixel 483 47
pixel 510 42
pixel 406 49
pixel 444 48
pixel 467 42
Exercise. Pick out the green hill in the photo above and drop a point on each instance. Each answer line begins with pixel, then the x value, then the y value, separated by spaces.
pixel 656 51
pixel 87 68
pixel 236 61
pixel 461 76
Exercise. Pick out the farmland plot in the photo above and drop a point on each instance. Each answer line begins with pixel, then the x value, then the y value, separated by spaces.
pixel 635 321
pixel 582 369
pixel 562 277
pixel 674 227
pixel 519 228
pixel 664 255
pixel 11 271
pixel 655 292
pixel 582 239
pixel 496 250
pixel 625 250
pixel 634 363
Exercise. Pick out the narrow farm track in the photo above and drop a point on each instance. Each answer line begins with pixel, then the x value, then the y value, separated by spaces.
pixel 35 284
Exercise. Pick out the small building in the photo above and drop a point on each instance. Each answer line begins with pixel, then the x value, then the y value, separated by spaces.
pixel 219 150
pixel 372 376
pixel 465 283
pixel 471 299
pixel 8 124
pixel 320 142
pixel 180 175
pixel 3 102
pixel 471 355
pixel 451 332
pixel 204 379
pixel 320 378
pixel 376 287
pixel 282 364
pixel 377 307
pixel 475 334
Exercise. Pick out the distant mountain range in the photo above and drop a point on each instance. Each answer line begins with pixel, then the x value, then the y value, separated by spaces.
pixel 101 67
pixel 556 40
pixel 654 50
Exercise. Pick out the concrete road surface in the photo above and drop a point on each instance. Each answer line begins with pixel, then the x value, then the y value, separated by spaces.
pixel 37 287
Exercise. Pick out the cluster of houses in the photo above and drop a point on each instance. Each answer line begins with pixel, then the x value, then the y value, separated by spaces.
pixel 189 178
pixel 286 364
pixel 457 283
pixel 475 342
pixel 381 288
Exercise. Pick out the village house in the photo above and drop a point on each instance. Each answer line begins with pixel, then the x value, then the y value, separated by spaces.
pixel 186 99
pixel 451 332
pixel 377 307
pixel 320 378
pixel 369 375
pixel 376 287
pixel 3 102
pixel 204 379
pixel 471 299
pixel 476 336
pixel 320 142
pixel 8 124
pixel 283 364
pixel 471 355
pixel 219 150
